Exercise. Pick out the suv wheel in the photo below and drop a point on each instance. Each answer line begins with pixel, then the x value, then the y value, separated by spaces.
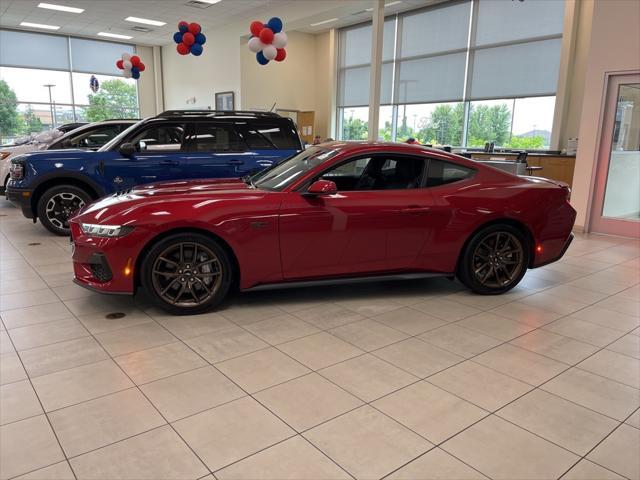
pixel 58 204
pixel 187 273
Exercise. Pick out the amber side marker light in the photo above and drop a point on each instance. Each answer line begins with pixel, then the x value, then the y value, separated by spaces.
pixel 127 269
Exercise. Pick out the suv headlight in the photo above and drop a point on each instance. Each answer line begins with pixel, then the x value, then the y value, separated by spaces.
pixel 105 230
pixel 16 170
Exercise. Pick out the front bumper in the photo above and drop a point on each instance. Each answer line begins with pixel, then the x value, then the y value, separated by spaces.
pixel 21 198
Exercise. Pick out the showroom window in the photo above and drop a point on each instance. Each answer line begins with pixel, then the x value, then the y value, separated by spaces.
pixel 46 82
pixel 462 73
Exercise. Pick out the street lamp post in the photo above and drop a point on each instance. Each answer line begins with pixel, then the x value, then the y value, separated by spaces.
pixel 53 117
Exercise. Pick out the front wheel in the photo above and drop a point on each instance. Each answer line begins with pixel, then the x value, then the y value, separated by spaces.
pixel 187 273
pixel 58 204
pixel 495 260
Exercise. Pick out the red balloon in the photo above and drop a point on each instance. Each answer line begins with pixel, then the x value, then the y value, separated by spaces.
pixel 135 60
pixel 188 39
pixel 141 67
pixel 194 28
pixel 266 36
pixel 256 27
pixel 119 65
pixel 282 54
pixel 183 49
pixel 183 23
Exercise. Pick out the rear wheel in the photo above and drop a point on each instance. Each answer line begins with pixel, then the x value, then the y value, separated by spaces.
pixel 58 204
pixel 495 260
pixel 187 273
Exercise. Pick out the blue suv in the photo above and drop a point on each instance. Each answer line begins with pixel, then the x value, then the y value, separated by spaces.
pixel 178 144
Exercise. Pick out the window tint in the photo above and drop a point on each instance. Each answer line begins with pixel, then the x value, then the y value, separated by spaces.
pixel 269 136
pixel 162 138
pixel 377 173
pixel 94 138
pixel 209 137
pixel 441 173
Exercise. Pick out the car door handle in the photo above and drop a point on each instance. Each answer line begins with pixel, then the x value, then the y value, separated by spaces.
pixel 169 162
pixel 235 162
pixel 415 210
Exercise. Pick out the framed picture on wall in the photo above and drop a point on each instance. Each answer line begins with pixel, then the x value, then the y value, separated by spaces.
pixel 225 101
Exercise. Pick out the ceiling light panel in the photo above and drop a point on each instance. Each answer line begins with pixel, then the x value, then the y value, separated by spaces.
pixel 145 21
pixel 324 21
pixel 60 8
pixel 39 25
pixel 114 35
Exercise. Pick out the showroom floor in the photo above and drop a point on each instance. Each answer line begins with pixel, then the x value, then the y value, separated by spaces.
pixel 405 380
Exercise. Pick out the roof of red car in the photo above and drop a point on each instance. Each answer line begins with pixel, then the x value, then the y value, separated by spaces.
pixel 365 146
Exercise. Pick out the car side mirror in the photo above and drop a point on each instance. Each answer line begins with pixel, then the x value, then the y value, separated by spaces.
pixel 127 149
pixel 322 187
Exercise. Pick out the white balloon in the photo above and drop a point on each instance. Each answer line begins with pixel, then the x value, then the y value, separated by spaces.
pixel 126 73
pixel 255 45
pixel 280 40
pixel 127 65
pixel 269 52
pixel 126 56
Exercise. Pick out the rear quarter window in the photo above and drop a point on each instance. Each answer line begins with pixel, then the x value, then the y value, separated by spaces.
pixel 442 173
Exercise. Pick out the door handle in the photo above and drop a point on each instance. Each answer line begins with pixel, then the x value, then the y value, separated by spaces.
pixel 415 210
pixel 235 162
pixel 169 162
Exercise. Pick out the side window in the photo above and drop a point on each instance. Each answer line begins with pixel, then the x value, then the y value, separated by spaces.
pixel 210 137
pixel 269 136
pixel 95 138
pixel 378 173
pixel 160 138
pixel 441 173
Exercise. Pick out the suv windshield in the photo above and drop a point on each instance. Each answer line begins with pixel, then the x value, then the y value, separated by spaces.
pixel 115 140
pixel 282 175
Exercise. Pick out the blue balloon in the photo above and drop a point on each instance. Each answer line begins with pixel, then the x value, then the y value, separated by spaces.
pixel 177 37
pixel 183 28
pixel 275 24
pixel 201 39
pixel 135 75
pixel 196 49
pixel 261 59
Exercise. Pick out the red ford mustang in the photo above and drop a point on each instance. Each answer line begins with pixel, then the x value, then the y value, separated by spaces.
pixel 333 213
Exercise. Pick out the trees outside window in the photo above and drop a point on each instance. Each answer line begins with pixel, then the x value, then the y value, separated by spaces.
pixel 115 99
pixel 8 111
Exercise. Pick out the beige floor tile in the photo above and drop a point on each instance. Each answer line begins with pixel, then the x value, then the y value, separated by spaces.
pixel 105 420
pixel 22 317
pixel 79 384
pixel 618 367
pixel 11 369
pixel 436 464
pixel 417 357
pixel 496 326
pixel 586 470
pixel 225 344
pixel 584 331
pixel 5 343
pixel 159 362
pixel 326 316
pixel 553 345
pixel 280 329
pixel 367 443
pixel 627 345
pixel 262 369
pixel 320 350
pixel 27 445
pixel 562 422
pixel 307 401
pixel 134 338
pixel 47 333
pixel 100 304
pixel 18 401
pixel 576 294
pixel 447 310
pixel 502 450
pixel 241 428
pixel 246 314
pixel 191 326
pixel 595 392
pixel 410 321
pixel 27 299
pixel 57 471
pixel 526 313
pixel 369 306
pixel 622 305
pixel 521 364
pixel 479 385
pixel 619 452
pixel 459 340
pixel 430 411
pixel 634 420
pixel 293 459
pixel 607 318
pixel 99 323
pixel 62 355
pixel 368 377
pixel 191 392
pixel 368 334
pixel 546 301
pixel 158 454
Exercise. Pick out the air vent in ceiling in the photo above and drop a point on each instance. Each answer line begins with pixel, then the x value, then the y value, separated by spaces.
pixel 142 29
pixel 198 4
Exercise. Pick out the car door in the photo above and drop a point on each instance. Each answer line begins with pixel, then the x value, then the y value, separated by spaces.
pixel 159 155
pixel 376 222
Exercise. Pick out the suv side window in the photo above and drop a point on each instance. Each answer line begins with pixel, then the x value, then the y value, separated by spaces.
pixel 91 139
pixel 269 136
pixel 442 173
pixel 214 137
pixel 160 138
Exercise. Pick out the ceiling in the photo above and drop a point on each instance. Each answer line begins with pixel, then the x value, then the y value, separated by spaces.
pixel 109 15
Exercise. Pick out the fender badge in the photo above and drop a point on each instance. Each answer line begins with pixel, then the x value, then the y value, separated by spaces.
pixel 118 180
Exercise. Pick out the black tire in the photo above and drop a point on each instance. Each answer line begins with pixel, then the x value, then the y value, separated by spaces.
pixel 181 286
pixel 57 204
pixel 494 260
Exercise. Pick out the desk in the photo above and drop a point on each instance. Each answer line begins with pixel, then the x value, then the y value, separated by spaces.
pixel 533 168
pixel 554 166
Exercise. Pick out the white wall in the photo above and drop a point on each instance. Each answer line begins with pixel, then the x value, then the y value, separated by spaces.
pixel 147 93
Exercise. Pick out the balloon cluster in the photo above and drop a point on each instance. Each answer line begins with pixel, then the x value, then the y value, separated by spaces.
pixel 189 38
pixel 131 66
pixel 268 41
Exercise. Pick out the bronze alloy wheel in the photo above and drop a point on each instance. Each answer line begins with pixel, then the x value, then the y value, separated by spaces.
pixel 497 260
pixel 187 274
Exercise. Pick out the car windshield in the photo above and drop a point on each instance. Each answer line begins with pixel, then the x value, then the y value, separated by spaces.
pixel 115 140
pixel 285 173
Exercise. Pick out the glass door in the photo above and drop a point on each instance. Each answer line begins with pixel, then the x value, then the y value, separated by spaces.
pixel 616 200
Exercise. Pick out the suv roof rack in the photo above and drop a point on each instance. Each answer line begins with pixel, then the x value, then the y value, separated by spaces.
pixel 217 113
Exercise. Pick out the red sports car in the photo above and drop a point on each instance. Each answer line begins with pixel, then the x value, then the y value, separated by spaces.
pixel 332 213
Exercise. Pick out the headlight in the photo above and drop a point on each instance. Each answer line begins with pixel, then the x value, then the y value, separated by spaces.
pixel 4 155
pixel 105 230
pixel 16 171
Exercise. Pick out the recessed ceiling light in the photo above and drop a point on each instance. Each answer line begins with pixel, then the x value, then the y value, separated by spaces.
pixel 324 21
pixel 390 4
pixel 61 8
pixel 145 21
pixel 114 35
pixel 39 25
pixel 210 2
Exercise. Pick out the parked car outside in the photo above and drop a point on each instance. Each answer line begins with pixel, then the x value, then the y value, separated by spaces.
pixel 175 145
pixel 335 212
